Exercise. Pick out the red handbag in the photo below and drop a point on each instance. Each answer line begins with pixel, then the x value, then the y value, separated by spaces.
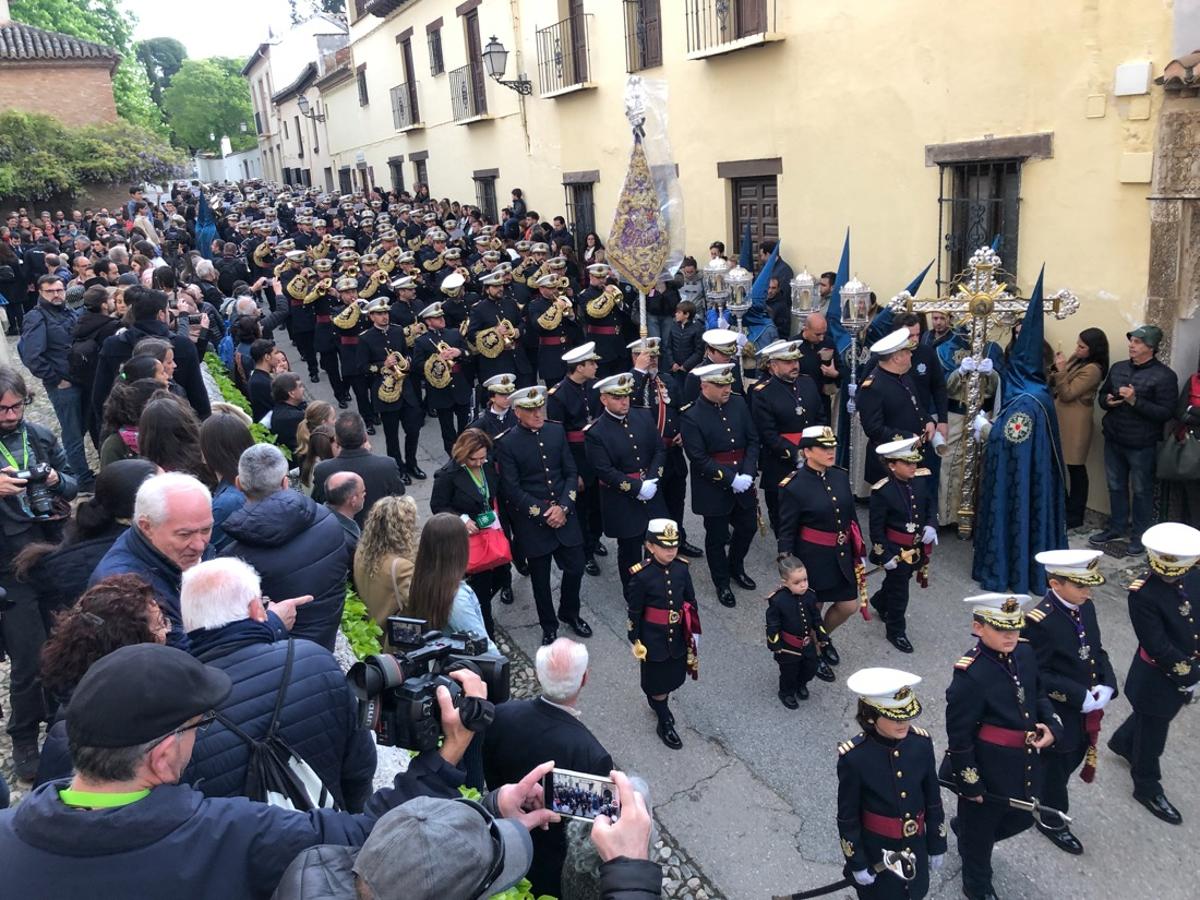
pixel 489 550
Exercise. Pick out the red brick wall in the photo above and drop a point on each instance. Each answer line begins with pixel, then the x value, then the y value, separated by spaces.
pixel 76 95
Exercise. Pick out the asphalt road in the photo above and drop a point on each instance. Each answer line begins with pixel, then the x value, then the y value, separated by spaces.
pixel 751 796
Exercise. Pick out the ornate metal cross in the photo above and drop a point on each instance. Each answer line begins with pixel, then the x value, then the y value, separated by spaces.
pixel 980 301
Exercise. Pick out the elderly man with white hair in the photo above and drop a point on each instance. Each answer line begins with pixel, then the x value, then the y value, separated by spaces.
pixel 297 544
pixel 172 525
pixel 222 605
pixel 528 732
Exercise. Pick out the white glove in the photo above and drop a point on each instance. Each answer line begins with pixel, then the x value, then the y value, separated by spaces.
pixel 851 407
pixel 741 483
pixel 929 535
pixel 852 389
pixel 936 861
pixel 722 322
pixel 986 366
pixel 741 341
pixel 1090 703
pixel 967 365
pixel 649 489
pixel 864 877
pixel 980 427
pixel 892 563
pixel 1104 694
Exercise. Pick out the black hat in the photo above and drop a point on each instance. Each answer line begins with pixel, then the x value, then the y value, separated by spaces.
pixel 117 485
pixel 141 692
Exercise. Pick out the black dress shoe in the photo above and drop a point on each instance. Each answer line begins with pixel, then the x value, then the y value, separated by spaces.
pixel 830 654
pixel 1161 807
pixel 591 567
pixel 600 550
pixel 578 625
pixel 405 478
pixel 343 402
pixel 900 642
pixel 522 567
pixel 314 377
pixel 802 692
pixel 726 598
pixel 666 731
pixel 25 761
pixel 824 672
pixel 506 596
pixel 691 550
pixel 416 472
pixel 370 429
pixel 1063 840
pixel 549 637
pixel 744 581
pixel 789 700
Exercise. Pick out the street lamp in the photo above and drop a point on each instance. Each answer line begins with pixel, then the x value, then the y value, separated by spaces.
pixel 242 127
pixel 212 137
pixel 804 296
pixel 716 292
pixel 306 109
pixel 495 60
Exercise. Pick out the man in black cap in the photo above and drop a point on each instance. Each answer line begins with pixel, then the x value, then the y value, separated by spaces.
pixel 124 827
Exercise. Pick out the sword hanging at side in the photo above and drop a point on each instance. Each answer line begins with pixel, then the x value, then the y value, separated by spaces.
pixel 901 863
pixel 1034 806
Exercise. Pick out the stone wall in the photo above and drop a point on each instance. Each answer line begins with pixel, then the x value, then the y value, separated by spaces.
pixel 75 95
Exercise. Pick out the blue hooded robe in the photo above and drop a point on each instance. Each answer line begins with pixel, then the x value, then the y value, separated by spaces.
pixel 1022 500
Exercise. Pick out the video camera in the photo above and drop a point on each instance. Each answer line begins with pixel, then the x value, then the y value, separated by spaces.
pixel 397 692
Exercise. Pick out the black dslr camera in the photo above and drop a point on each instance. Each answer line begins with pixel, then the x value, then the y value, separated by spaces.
pixel 37 492
pixel 397 692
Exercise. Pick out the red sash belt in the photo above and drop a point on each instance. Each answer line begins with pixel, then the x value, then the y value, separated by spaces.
pixel 575 437
pixel 1146 657
pixel 602 329
pixel 892 827
pixel 657 616
pixel 1005 737
pixel 792 640
pixel 823 538
pixel 551 341
pixel 792 437
pixel 348 341
pixel 903 538
pixel 324 320
pixel 729 457
pixel 636 475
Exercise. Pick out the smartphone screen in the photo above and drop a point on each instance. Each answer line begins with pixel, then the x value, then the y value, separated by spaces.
pixel 578 795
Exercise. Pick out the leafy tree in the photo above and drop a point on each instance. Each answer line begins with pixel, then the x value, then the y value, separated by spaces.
pixel 302 10
pixel 40 157
pixel 161 57
pixel 104 22
pixel 209 96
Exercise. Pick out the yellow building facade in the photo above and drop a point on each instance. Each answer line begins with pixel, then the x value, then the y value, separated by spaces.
pixel 925 130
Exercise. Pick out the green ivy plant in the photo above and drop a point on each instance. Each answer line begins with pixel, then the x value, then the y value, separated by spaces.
pixel 360 629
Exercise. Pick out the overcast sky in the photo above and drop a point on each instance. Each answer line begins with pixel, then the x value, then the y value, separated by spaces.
pixel 212 28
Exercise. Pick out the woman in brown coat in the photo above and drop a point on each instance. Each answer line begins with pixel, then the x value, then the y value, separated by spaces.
pixel 1074 382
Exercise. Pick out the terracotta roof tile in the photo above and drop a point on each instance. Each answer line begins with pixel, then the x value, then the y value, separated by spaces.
pixel 20 42
pixel 1181 73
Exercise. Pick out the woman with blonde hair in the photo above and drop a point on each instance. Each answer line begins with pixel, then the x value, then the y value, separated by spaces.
pixel 383 562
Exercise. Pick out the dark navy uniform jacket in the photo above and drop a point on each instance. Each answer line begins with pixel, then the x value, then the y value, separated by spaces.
pixel 1164 619
pixel 460 391
pixel 624 453
pixel 887 405
pixel 660 587
pixel 903 506
pixel 897 780
pixel 537 471
pixel 1070 659
pixel 820 500
pixel 1005 690
pixel 781 408
pixel 710 429
pixel 373 349
pixel 573 406
pixel 492 424
pixel 691 384
pixel 795 616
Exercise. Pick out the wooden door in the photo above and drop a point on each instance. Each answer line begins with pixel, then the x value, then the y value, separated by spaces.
pixel 755 200
pixel 579 54
pixel 475 61
pixel 410 81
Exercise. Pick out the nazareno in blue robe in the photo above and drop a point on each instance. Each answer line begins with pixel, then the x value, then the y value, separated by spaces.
pixel 1022 498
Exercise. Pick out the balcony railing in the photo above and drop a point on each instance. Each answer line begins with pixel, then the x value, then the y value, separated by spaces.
pixel 468 98
pixel 712 24
pixel 643 35
pixel 404 105
pixel 563 54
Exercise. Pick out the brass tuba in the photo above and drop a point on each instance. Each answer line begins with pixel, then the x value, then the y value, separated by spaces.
pixel 439 372
pixel 603 305
pixel 262 254
pixel 348 317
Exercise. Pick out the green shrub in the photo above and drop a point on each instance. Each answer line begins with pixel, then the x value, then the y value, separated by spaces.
pixel 359 628
pixel 231 395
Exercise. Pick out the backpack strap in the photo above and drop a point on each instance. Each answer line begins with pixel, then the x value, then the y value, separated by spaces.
pixel 283 687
